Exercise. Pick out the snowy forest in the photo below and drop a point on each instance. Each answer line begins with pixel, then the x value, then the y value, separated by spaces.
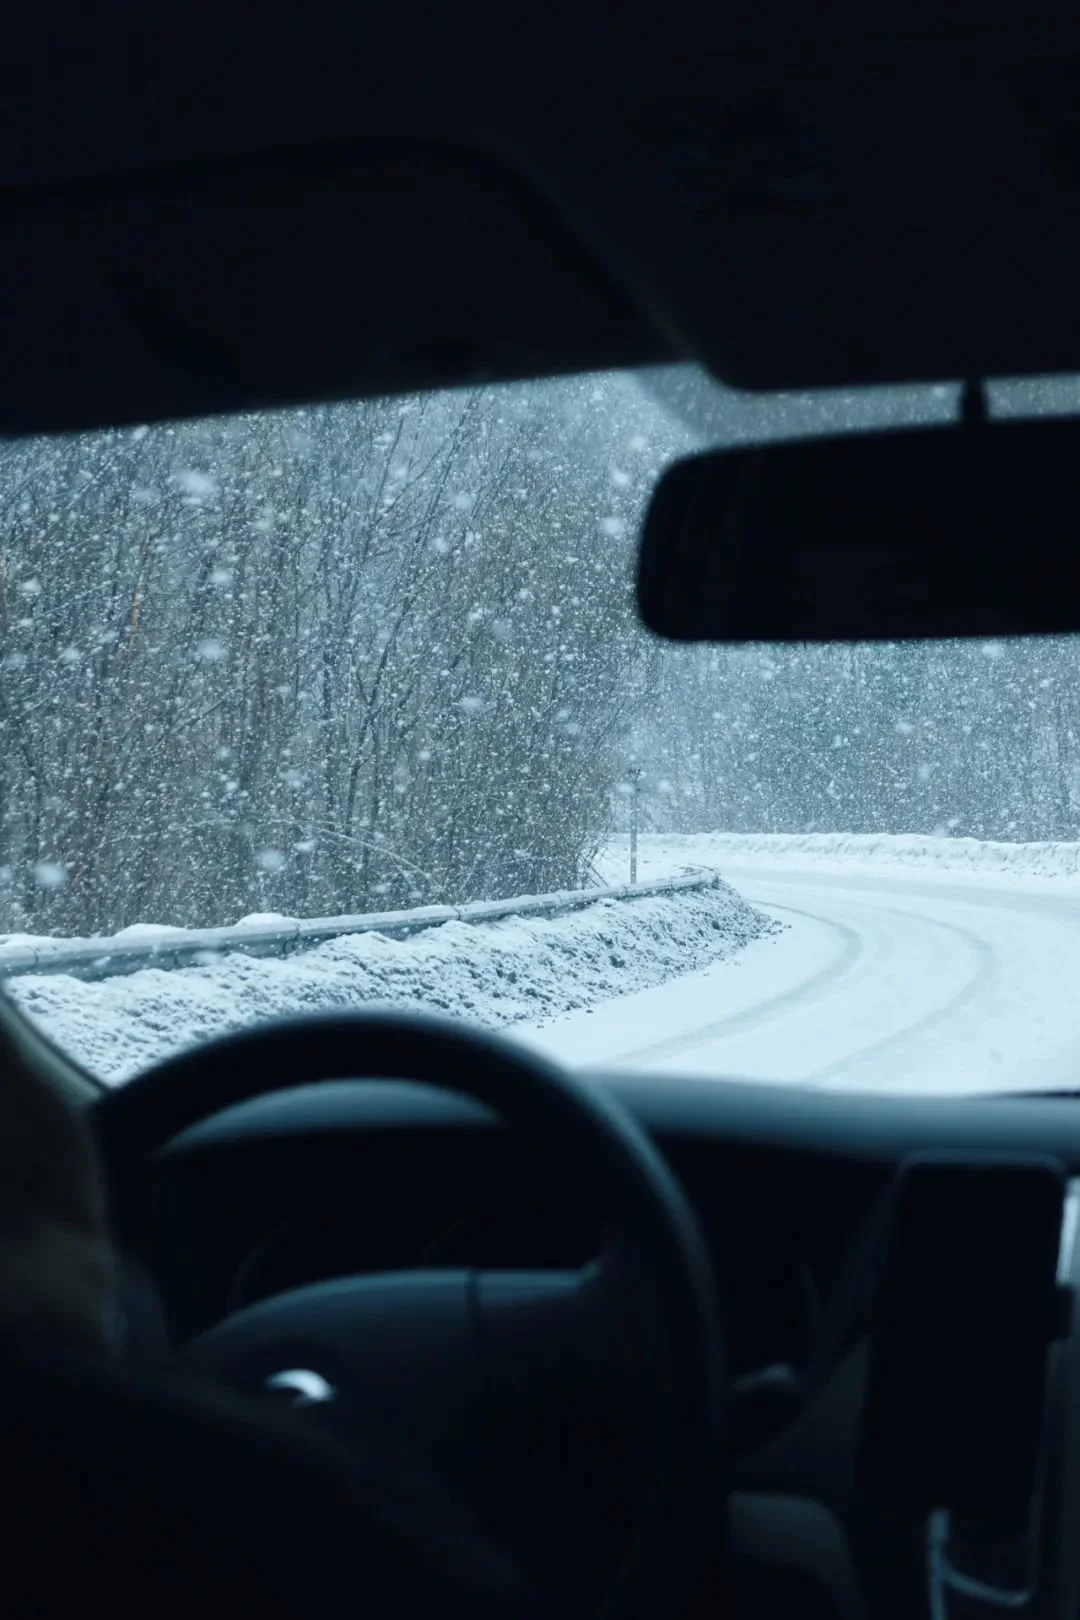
pixel 331 660
pixel 355 657
pixel 975 739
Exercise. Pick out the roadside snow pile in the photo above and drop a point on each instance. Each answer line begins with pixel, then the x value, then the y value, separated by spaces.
pixel 517 970
pixel 665 854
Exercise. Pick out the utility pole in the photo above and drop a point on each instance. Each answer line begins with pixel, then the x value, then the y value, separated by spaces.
pixel 635 792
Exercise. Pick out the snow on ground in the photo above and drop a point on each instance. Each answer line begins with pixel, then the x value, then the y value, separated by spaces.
pixel 1041 866
pixel 931 965
pixel 928 965
pixel 521 969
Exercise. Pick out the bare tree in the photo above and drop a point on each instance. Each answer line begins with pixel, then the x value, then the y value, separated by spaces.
pixel 314 661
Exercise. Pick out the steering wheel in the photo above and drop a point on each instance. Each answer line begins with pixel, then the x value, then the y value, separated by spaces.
pixel 457 1357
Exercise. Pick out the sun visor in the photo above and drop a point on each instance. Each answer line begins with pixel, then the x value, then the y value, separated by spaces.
pixel 279 280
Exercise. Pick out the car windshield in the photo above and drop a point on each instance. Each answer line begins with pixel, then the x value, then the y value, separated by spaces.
pixel 348 706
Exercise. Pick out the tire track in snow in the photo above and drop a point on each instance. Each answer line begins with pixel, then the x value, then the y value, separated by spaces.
pixel 835 980
pixel 851 950
pixel 883 981
pixel 981 982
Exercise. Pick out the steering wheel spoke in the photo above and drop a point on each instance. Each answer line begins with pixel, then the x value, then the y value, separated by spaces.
pixel 596 1393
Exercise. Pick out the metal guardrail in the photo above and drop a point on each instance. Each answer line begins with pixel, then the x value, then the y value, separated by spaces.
pixel 108 958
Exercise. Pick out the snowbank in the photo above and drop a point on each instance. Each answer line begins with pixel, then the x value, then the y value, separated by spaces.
pixel 513 971
pixel 664 854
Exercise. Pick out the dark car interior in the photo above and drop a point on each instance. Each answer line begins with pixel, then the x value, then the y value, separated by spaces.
pixel 411 1317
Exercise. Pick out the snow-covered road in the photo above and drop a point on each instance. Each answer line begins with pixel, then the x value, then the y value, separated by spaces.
pixel 883 980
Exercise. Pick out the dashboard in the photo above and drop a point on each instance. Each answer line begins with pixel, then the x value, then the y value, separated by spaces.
pixel 792 1191
pixel 355 1178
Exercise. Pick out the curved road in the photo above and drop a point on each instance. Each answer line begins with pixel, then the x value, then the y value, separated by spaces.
pixel 878 981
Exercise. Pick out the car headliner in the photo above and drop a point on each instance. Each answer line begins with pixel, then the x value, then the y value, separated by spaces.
pixel 213 207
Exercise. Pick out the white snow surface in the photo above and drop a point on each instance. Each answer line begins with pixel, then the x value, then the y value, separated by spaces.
pixel 137 932
pixel 914 964
pixel 666 854
pixel 888 963
pixel 507 972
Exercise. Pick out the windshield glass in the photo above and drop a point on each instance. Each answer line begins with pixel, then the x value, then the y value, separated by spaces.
pixel 266 680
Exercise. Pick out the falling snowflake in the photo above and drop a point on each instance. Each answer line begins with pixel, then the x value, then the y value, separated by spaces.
pixel 196 485
pixel 50 875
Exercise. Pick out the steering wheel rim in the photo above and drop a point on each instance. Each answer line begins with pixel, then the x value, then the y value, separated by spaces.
pixel 588 1129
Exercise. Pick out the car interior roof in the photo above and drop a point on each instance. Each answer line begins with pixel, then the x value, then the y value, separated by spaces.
pixel 229 207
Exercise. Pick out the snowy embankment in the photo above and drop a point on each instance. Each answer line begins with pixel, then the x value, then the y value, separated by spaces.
pixel 837 854
pixel 522 969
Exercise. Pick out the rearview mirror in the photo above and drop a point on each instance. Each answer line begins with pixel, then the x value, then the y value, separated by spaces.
pixel 966 530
